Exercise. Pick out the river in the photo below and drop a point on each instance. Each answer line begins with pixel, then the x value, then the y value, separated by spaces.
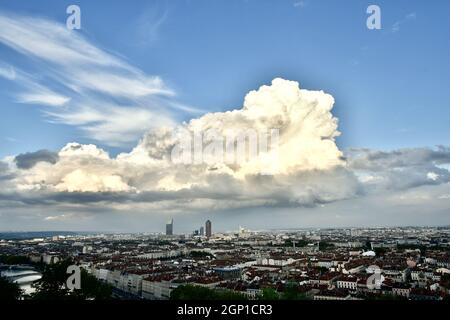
pixel 24 278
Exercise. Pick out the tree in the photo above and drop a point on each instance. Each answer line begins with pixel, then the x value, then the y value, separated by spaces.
pixel 322 269
pixel 52 285
pixel 291 292
pixel 385 297
pixel 298 243
pixel 380 251
pixel 191 292
pixel 92 288
pixel 200 254
pixel 445 277
pixel 7 259
pixel 325 245
pixel 269 294
pixel 9 290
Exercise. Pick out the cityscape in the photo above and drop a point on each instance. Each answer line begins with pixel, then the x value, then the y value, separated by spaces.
pixel 224 158
pixel 396 263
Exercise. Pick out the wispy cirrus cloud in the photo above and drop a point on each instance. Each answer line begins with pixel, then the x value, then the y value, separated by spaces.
pixel 396 26
pixel 7 72
pixel 300 4
pixel 97 88
pixel 34 93
pixel 149 23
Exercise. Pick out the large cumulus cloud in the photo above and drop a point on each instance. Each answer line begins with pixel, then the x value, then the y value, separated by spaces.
pixel 305 169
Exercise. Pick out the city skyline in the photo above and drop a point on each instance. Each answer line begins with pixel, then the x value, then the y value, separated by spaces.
pixel 363 264
pixel 349 124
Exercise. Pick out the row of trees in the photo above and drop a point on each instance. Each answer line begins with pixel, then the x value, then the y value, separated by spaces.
pixel 191 292
pixel 10 260
pixel 290 292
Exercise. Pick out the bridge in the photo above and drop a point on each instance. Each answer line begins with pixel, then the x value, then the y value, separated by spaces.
pixel 22 276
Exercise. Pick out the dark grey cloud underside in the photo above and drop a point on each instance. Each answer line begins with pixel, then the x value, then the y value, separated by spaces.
pixel 366 159
pixel 5 174
pixel 30 159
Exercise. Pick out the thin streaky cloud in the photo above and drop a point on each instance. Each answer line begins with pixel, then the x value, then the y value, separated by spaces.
pixel 89 80
pixel 300 4
pixel 149 24
pixel 43 99
pixel 396 26
pixel 34 93
pixel 7 72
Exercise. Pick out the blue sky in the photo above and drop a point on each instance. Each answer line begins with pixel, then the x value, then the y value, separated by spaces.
pixel 391 87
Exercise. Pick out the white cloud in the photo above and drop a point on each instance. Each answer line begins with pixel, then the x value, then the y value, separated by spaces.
pixel 312 170
pixel 7 72
pixel 400 169
pixel 48 99
pixel 396 26
pixel 310 167
pixel 79 180
pixel 51 42
pixel 66 216
pixel 87 80
pixel 300 4
pixel 114 125
pixel 149 23
pixel 35 93
pixel 432 176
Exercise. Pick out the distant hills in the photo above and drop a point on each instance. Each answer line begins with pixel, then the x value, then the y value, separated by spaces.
pixel 36 234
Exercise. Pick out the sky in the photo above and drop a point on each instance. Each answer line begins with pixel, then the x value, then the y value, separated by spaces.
pixel 83 113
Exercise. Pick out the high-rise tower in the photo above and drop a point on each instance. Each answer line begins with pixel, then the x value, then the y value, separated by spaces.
pixel 169 228
pixel 208 228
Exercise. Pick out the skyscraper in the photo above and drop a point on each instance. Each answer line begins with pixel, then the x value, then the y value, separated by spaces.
pixel 208 228
pixel 202 231
pixel 169 228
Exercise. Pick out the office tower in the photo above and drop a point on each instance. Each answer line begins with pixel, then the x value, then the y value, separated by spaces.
pixel 202 231
pixel 169 228
pixel 208 228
